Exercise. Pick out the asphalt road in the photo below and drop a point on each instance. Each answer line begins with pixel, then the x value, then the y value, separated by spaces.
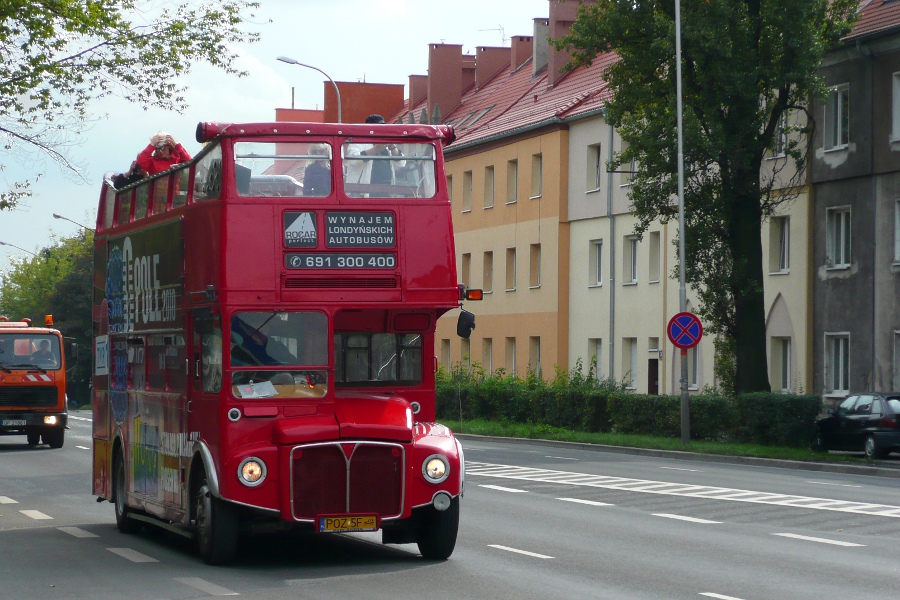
pixel 538 521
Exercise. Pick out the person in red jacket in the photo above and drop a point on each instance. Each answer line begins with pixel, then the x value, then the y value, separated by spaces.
pixel 161 153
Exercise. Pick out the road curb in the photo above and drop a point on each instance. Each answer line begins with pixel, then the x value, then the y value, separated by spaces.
pixel 823 467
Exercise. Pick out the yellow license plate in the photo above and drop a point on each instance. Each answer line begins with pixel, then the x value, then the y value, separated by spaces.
pixel 348 523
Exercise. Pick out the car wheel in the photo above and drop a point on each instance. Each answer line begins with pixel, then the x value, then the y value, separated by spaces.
pixel 55 438
pixel 33 438
pixel 216 526
pixel 872 450
pixel 436 535
pixel 123 522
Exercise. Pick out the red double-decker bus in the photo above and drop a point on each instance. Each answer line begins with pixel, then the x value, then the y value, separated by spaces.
pixel 264 337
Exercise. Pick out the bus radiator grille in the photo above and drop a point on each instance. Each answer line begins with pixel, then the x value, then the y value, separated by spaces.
pixel 325 481
pixel 26 395
pixel 340 282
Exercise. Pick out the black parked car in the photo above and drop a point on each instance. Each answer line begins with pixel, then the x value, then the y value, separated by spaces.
pixel 869 422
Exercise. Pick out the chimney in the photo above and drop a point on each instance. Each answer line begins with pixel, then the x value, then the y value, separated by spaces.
pixel 541 44
pixel 445 77
pixel 468 72
pixel 562 16
pixel 418 89
pixel 488 62
pixel 521 50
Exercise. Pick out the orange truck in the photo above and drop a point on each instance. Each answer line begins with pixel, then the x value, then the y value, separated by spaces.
pixel 32 382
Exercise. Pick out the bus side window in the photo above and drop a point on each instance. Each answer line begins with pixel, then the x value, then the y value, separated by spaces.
pixel 141 197
pixel 109 206
pixel 208 176
pixel 180 190
pixel 211 360
pixel 123 208
pixel 160 194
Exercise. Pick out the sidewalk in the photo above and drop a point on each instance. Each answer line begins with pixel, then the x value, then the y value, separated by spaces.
pixel 880 468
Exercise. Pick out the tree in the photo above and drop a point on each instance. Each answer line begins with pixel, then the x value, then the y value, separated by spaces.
pixel 58 56
pixel 746 65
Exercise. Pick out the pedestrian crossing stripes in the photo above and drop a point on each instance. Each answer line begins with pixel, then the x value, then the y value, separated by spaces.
pixel 676 489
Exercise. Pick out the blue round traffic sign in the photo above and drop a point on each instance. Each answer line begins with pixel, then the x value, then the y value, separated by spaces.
pixel 685 330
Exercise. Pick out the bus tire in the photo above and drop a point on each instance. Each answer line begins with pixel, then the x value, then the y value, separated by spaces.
pixel 437 532
pixel 216 526
pixel 33 438
pixel 123 522
pixel 55 438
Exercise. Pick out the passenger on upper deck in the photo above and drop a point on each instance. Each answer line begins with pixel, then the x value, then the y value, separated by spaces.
pixel 132 175
pixel 317 177
pixel 162 152
pixel 372 171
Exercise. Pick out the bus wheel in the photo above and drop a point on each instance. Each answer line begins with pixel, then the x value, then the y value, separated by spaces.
pixel 437 532
pixel 216 526
pixel 125 524
pixel 55 437
pixel 33 438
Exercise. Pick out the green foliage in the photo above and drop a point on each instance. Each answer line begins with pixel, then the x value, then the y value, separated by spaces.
pixel 59 56
pixel 745 65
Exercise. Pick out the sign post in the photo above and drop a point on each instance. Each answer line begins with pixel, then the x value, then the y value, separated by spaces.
pixel 684 331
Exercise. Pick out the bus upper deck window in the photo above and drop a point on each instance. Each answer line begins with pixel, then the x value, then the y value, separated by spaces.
pixel 283 168
pixel 208 175
pixel 388 170
pixel 180 187
pixel 141 197
pixel 109 205
pixel 123 208
pixel 161 194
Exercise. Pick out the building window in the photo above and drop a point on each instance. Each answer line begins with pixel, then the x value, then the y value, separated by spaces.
pixel 465 268
pixel 837 117
pixel 895 128
pixel 512 181
pixel 628 171
pixel 693 368
pixel 466 354
pixel 781 363
pixel 487 282
pixel 837 225
pixel 779 147
pixel 467 191
pixel 489 187
pixel 487 355
pixel 629 362
pixel 837 363
pixel 896 372
pixel 537 177
pixel 897 231
pixel 653 272
pixel 445 354
pixel 510 269
pixel 534 354
pixel 779 244
pixel 595 356
pixel 510 356
pixel 594 170
pixel 630 266
pixel 595 263
pixel 450 188
pixel 534 276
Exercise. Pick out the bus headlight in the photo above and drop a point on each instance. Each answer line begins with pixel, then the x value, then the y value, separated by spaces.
pixel 435 468
pixel 252 471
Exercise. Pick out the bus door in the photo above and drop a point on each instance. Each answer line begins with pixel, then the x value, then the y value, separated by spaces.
pixel 206 377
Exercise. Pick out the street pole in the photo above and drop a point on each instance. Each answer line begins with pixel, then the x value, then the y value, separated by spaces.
pixel 56 216
pixel 682 290
pixel 18 248
pixel 291 61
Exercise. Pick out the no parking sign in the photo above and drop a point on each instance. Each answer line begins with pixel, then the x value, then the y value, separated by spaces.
pixel 685 330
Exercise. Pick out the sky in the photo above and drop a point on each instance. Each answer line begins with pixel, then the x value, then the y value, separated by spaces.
pixel 379 41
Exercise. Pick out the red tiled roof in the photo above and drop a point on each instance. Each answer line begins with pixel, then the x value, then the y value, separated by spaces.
pixel 875 17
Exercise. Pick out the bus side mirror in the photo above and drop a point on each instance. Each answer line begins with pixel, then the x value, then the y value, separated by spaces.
pixel 72 351
pixel 465 324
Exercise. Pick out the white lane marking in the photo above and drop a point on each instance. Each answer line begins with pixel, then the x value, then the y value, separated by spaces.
pixel 7 500
pixel 836 484
pixel 502 489
pixel 132 555
pixel 677 469
pixel 719 596
pixel 820 540
pixel 683 518
pixel 562 458
pixel 77 532
pixel 676 489
pixel 79 418
pixel 590 502
pixel 525 552
pixel 205 586
pixel 82 447
pixel 35 514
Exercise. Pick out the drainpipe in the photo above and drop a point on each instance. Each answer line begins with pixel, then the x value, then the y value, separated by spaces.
pixel 612 258
pixel 871 382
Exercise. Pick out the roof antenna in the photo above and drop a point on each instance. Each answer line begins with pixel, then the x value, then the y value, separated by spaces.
pixel 499 28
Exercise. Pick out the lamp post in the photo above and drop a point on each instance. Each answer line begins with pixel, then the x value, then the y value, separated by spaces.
pixel 682 290
pixel 56 216
pixel 291 61
pixel 18 248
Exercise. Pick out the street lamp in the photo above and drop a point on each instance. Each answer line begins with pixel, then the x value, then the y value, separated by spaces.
pixel 682 288
pixel 291 61
pixel 17 248
pixel 56 216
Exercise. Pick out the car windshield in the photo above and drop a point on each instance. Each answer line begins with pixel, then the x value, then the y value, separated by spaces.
pixel 26 350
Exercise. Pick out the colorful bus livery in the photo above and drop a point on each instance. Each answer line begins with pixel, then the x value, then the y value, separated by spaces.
pixel 264 338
